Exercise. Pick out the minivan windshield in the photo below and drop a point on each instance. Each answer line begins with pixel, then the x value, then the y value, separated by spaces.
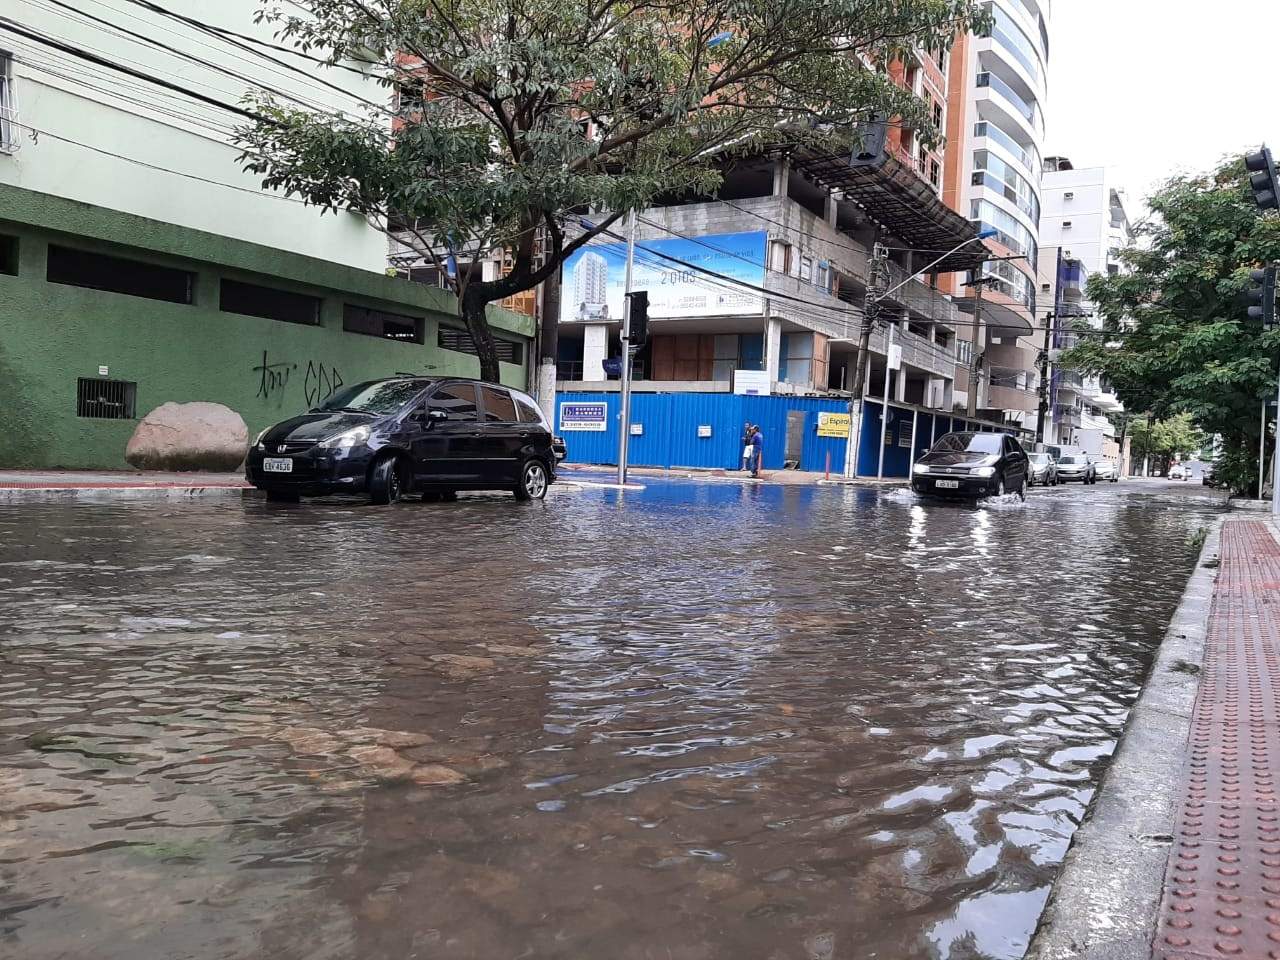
pixel 374 397
pixel 987 443
pixel 1070 459
pixel 1039 459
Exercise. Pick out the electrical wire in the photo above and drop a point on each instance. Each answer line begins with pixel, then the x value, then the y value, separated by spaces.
pixel 41 132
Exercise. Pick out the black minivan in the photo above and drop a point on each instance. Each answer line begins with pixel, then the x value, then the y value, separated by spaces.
pixel 433 435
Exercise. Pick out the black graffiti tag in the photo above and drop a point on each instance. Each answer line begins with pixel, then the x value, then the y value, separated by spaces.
pixel 320 383
pixel 273 377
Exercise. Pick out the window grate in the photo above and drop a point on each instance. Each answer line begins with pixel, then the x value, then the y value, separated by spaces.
pixel 8 106
pixel 450 338
pixel 105 399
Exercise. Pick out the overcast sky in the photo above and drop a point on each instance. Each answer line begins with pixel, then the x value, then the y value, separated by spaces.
pixel 1155 87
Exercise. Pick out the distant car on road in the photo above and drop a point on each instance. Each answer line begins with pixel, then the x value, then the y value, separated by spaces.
pixel 972 465
pixel 1076 468
pixel 1042 469
pixel 1104 469
pixel 385 438
pixel 1179 472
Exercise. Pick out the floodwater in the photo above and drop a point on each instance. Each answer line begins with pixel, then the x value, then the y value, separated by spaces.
pixel 699 721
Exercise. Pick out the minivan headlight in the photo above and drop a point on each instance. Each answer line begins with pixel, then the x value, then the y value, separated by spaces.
pixel 984 471
pixel 257 442
pixel 920 469
pixel 347 440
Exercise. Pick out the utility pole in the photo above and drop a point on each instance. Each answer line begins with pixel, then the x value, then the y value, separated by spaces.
pixel 884 403
pixel 624 420
pixel 877 283
pixel 1262 447
pixel 975 362
pixel 1049 320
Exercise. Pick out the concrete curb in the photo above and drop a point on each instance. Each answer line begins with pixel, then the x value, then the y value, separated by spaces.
pixel 141 491
pixel 1104 903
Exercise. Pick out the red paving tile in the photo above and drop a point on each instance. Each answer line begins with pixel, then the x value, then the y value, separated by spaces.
pixel 1222 884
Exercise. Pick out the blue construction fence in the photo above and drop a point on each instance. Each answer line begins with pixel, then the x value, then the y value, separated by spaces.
pixel 704 430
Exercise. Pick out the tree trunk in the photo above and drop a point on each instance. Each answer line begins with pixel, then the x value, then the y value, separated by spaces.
pixel 549 346
pixel 471 307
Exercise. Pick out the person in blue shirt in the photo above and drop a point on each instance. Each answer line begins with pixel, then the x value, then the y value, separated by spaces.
pixel 757 451
pixel 746 446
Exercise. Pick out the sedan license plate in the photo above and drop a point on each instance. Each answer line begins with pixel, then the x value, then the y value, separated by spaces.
pixel 948 484
pixel 277 465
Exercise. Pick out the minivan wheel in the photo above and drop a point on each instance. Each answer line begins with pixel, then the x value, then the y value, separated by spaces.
pixel 386 481
pixel 532 484
pixel 1000 487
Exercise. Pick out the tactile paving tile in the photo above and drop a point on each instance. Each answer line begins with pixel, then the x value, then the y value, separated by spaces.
pixel 1222 884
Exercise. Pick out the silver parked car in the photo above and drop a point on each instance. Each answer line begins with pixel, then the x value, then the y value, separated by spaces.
pixel 1105 469
pixel 1043 470
pixel 1076 467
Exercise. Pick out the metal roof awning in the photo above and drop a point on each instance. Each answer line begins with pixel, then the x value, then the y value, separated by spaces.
pixel 997 316
pixel 895 197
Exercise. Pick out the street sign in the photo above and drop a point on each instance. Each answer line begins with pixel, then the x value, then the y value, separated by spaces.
pixel 834 424
pixel 895 357
pixel 612 367
pixel 584 416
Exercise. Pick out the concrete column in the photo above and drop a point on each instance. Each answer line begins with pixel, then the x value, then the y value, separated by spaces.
pixel 772 348
pixel 781 176
pixel 831 211
pixel 595 350
pixel 900 385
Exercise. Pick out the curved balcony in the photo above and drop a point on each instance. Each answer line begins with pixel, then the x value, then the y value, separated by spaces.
pixel 996 96
pixel 1026 159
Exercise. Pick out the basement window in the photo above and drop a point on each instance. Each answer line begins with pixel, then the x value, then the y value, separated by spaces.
pixel 380 323
pixel 100 399
pixel 134 278
pixel 9 255
pixel 268 303
pixel 451 338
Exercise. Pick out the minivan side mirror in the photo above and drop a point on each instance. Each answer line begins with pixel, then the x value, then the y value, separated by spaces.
pixel 435 416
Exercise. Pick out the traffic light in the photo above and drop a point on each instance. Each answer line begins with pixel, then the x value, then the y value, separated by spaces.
pixel 1262 178
pixel 1261 296
pixel 638 316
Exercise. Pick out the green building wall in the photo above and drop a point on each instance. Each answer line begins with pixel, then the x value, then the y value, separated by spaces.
pixel 53 334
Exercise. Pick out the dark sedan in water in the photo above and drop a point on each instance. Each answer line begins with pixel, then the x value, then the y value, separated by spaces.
pixel 972 465
pixel 385 438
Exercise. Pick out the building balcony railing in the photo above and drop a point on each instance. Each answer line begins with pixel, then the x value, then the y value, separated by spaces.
pixel 917 351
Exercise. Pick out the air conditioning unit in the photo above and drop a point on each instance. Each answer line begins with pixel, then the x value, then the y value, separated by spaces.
pixel 1069 195
pixel 1066 224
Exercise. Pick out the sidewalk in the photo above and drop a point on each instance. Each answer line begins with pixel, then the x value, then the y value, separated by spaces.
pixel 14 483
pixel 1179 855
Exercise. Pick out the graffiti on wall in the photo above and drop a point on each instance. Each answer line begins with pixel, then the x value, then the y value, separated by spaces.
pixel 319 383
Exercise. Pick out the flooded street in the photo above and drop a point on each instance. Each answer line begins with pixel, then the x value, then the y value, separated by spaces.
pixel 702 721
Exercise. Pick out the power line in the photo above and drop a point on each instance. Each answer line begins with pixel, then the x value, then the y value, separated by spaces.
pixel 82 54
pixel 152 166
pixel 184 55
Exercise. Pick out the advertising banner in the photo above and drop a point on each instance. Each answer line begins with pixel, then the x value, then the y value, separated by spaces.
pixel 594 278
pixel 833 424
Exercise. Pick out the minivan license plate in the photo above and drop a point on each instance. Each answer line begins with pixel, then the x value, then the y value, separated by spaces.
pixel 277 465
pixel 948 484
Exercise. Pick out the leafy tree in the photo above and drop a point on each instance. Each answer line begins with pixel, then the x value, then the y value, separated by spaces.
pixel 1180 339
pixel 1163 440
pixel 514 115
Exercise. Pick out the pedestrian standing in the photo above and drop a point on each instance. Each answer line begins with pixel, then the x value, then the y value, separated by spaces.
pixel 757 451
pixel 746 446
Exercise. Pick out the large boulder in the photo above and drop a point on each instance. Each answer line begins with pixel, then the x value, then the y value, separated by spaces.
pixel 189 436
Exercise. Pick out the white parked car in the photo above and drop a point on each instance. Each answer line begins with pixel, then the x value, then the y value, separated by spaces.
pixel 1105 469
pixel 1179 472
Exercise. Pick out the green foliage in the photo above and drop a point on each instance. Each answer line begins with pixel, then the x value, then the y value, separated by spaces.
pixel 1181 339
pixel 513 115
pixel 1164 440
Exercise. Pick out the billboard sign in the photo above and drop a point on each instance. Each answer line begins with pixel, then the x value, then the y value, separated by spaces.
pixel 833 424
pixel 584 416
pixel 594 278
